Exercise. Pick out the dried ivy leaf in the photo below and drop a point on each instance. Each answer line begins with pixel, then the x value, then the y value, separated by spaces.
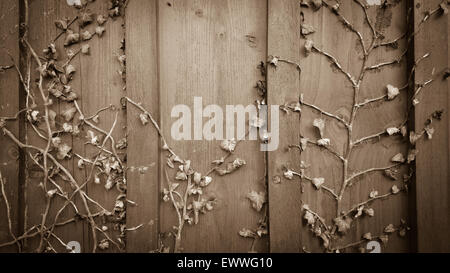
pixel 289 174
pixel 308 47
pixel 443 8
pixel 69 113
pixel 399 158
pixel 109 183
pixel 101 19
pixel 93 139
pixel 70 70
pixel 309 217
pixel 413 137
pixel 343 224
pixel 412 153
pixel 257 199
pixel 206 180
pixel 181 176
pixel 429 132
pixel 395 189
pixel 392 131
pixel 274 61
pixel 34 115
pixel 197 177
pixel 144 118
pixel 228 145
pixel 389 229
pixel 61 24
pixel 367 236
pixel 99 30
pixel 392 92
pixel 218 161
pixel 86 35
pixel 80 164
pixel 384 239
pixel 304 3
pixel 63 151
pixel 197 206
pixel 71 38
pixel 75 3
pixel 359 212
pixel 303 143
pixel 323 142
pixel 391 173
pixel 306 29
pixel 404 131
pixel 247 233
pixel 85 19
pixel 103 244
pixel 369 211
pixel 373 194
pixel 96 179
pixel 50 52
pixel 320 125
pixel 67 128
pixel 318 182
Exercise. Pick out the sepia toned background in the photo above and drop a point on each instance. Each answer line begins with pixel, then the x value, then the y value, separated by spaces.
pixel 178 49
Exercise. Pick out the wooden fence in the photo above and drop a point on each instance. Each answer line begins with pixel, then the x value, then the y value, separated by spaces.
pixel 180 49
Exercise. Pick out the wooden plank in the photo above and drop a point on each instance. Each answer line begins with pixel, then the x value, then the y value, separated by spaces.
pixel 42 31
pixel 204 52
pixel 432 163
pixel 9 106
pixel 330 90
pixel 375 118
pixel 101 87
pixel 143 142
pixel 283 85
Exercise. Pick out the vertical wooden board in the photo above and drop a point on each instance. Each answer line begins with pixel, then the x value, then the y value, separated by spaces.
pixel 327 88
pixel 204 52
pixel 9 106
pixel 42 32
pixel 101 87
pixel 432 163
pixel 375 118
pixel 143 141
pixel 283 84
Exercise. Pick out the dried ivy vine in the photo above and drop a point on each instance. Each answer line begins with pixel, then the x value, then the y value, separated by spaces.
pixel 329 234
pixel 185 191
pixel 52 86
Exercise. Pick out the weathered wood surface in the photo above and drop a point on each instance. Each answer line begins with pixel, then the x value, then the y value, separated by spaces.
pixel 42 30
pixel 178 50
pixel 432 163
pixel 9 106
pixel 283 85
pixel 205 51
pixel 325 87
pixel 143 141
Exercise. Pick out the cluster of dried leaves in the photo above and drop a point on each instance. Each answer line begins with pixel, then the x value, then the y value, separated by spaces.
pixel 51 87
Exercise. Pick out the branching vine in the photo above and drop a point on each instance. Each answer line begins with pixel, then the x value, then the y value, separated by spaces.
pixel 343 219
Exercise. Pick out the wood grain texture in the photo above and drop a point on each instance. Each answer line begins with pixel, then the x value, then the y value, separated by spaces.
pixel 180 49
pixel 143 141
pixel 286 232
pixel 325 87
pixel 102 86
pixel 9 106
pixel 204 52
pixel 42 31
pixel 432 163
